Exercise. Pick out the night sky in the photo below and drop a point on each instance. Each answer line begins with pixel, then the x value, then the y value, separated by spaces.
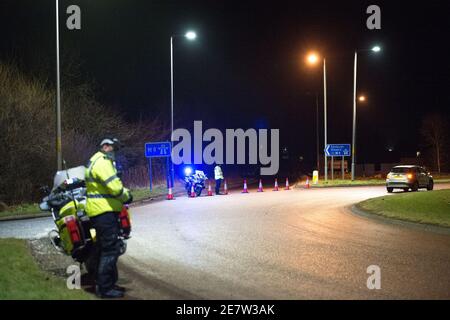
pixel 246 68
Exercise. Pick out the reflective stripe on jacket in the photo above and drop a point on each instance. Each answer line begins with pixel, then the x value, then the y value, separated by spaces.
pixel 104 189
pixel 218 173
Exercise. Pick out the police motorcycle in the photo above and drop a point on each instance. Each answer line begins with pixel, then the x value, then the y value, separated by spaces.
pixel 74 234
pixel 196 180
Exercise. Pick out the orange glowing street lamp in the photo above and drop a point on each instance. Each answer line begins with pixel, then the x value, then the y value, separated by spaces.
pixel 362 98
pixel 312 59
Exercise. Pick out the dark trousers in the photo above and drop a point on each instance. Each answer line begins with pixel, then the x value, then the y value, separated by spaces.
pixel 107 230
pixel 218 182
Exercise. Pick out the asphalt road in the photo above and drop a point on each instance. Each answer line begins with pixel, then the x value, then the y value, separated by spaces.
pixel 297 244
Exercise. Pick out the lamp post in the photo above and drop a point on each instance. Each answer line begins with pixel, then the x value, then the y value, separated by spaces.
pixel 374 49
pixel 313 59
pixel 317 133
pixel 190 35
pixel 58 97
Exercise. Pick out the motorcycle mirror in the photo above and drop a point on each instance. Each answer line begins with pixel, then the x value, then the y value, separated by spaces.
pixel 45 190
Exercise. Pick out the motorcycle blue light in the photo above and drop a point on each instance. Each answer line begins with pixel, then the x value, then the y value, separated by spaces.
pixel 187 171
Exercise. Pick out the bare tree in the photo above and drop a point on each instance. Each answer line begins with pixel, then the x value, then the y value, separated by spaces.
pixel 434 130
pixel 27 133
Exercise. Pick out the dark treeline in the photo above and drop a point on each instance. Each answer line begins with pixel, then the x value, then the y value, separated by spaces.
pixel 27 132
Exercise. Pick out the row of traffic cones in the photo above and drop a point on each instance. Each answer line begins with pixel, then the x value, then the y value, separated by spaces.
pixel 210 192
pixel 244 190
pixel 225 188
pixel 261 189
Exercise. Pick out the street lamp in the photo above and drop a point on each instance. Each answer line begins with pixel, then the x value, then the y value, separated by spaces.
pixel 312 59
pixel 190 35
pixel 362 98
pixel 375 49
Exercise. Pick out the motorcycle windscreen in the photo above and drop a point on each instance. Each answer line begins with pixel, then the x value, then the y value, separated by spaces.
pixel 71 173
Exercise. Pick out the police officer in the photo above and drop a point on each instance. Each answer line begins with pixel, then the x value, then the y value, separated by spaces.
pixel 218 176
pixel 105 198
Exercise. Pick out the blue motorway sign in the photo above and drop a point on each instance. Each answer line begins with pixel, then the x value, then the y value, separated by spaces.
pixel 157 149
pixel 337 150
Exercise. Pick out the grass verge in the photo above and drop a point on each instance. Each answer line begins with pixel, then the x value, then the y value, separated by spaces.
pixel 422 207
pixel 358 182
pixel 144 193
pixel 21 210
pixel 31 209
pixel 348 183
pixel 21 278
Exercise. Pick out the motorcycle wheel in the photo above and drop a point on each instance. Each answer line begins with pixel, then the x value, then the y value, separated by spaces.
pixel 198 191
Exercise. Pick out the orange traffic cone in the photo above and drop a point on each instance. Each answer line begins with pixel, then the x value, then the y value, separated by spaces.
pixel 225 187
pixel 245 190
pixel 260 187
pixel 276 185
pixel 209 189
pixel 192 191
pixel 170 195
pixel 307 183
pixel 287 184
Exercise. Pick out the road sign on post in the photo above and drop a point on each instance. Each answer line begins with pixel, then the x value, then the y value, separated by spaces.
pixel 337 150
pixel 158 150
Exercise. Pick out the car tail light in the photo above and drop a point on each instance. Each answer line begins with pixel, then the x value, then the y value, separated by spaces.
pixel 72 227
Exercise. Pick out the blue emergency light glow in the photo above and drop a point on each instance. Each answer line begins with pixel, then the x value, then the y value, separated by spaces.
pixel 187 171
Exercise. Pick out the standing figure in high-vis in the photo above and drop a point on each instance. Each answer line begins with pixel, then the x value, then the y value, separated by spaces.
pixel 106 196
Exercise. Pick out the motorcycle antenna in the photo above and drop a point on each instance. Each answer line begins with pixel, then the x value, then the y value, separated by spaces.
pixel 71 191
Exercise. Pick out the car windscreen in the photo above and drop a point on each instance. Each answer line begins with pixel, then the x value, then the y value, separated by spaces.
pixel 401 170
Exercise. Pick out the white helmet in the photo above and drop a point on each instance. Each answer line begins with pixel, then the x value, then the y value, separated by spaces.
pixel 111 141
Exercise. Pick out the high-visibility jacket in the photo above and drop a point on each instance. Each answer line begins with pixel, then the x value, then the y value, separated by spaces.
pixel 104 189
pixel 218 173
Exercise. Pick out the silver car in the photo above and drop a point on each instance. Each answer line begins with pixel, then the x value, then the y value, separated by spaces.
pixel 409 177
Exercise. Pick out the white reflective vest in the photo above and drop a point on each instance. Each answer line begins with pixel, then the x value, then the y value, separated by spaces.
pixel 218 173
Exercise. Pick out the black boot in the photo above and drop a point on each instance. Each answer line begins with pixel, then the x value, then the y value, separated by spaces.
pixel 111 294
pixel 119 288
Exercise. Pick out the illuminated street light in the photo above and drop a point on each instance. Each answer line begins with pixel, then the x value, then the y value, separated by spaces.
pixel 362 98
pixel 190 35
pixel 374 49
pixel 313 59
